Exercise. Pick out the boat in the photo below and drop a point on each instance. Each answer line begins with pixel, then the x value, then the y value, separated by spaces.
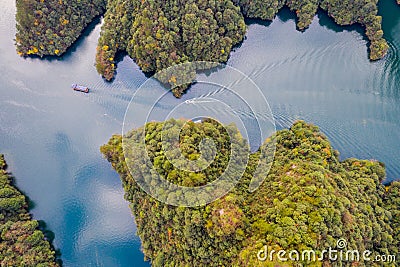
pixel 80 88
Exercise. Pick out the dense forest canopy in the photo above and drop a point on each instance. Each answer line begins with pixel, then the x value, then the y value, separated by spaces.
pixel 158 34
pixel 21 242
pixel 49 27
pixel 309 200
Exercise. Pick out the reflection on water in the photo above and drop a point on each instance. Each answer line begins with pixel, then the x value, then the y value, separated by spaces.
pixel 51 135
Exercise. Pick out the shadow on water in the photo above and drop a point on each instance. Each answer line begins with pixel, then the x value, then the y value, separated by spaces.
pixel 390 25
pixel 85 33
pixel 329 23
pixel 391 18
pixel 48 234
pixel 265 23
pixel 119 57
pixel 284 15
pixel 211 70
pixel 31 203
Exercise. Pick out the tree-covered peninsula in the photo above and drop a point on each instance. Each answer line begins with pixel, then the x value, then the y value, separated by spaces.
pixel 308 200
pixel 364 12
pixel 50 27
pixel 158 34
pixel 21 241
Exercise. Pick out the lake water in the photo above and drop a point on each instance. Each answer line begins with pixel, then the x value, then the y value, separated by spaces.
pixel 51 135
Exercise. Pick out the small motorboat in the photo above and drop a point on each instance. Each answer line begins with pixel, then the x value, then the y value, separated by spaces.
pixel 80 88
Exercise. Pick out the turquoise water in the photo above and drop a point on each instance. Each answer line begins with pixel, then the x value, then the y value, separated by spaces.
pixel 51 135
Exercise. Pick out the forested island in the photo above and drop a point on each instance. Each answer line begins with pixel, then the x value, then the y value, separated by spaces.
pixel 21 241
pixel 308 200
pixel 158 34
